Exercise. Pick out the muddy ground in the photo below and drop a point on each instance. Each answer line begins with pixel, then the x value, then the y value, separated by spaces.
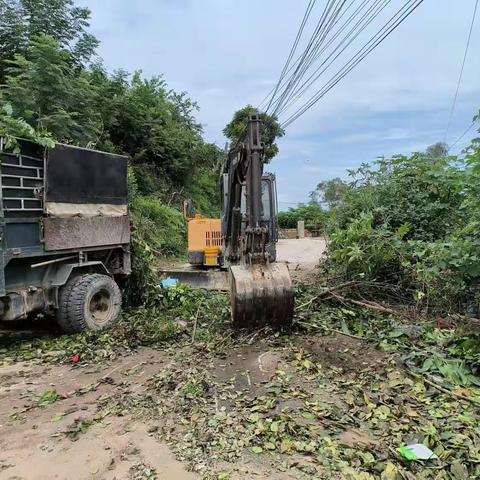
pixel 73 437
pixel 319 403
pixel 68 439
pixel 302 255
pixel 50 441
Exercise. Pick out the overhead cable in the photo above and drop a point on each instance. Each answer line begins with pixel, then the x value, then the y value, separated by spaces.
pixel 452 109
pixel 371 45
pixel 365 20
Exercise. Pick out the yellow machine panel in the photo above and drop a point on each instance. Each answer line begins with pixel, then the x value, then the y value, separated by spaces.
pixel 204 241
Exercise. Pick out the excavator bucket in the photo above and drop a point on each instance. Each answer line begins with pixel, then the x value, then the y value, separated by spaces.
pixel 260 296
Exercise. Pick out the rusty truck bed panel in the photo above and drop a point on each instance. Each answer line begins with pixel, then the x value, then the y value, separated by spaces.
pixel 79 232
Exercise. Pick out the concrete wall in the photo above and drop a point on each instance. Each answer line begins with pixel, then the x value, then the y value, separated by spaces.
pixel 290 233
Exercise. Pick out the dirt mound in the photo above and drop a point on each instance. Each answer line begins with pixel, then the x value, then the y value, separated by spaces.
pixel 343 352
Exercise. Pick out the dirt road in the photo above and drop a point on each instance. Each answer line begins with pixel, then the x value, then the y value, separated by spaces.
pixel 308 406
pixel 319 403
pixel 302 251
pixel 302 255
pixel 64 435
pixel 103 422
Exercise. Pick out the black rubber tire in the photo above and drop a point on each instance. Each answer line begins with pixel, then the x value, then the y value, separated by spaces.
pixel 76 298
pixel 63 301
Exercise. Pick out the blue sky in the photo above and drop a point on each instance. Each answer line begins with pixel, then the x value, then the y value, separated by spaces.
pixel 227 53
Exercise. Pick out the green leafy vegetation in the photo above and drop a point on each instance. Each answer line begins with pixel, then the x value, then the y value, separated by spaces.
pixel 338 395
pixel 312 214
pixel 166 316
pixel 270 129
pixel 48 397
pixel 55 89
pixel 329 192
pixel 412 222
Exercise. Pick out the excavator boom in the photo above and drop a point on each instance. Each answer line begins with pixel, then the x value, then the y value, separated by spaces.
pixel 261 291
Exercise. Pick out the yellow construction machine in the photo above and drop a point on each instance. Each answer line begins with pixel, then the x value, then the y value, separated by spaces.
pixel 205 243
pixel 244 239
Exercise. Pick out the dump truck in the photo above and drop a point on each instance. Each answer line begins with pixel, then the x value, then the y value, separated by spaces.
pixel 65 234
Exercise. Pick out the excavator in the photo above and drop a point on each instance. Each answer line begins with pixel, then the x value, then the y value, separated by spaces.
pixel 244 239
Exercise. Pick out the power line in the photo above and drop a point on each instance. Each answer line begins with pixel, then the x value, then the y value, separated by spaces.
pixel 461 71
pixel 311 45
pixel 283 82
pixel 355 60
pixel 324 26
pixel 310 6
pixel 462 135
pixel 351 36
pixel 378 38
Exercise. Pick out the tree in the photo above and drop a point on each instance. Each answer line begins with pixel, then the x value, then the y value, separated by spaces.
pixel 23 20
pixel 12 33
pixel 46 91
pixel 270 129
pixel 313 216
pixel 12 128
pixel 437 150
pixel 152 124
pixel 51 89
pixel 331 192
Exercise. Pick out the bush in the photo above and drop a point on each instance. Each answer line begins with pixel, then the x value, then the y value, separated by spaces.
pixel 312 214
pixel 158 231
pixel 413 223
pixel 163 225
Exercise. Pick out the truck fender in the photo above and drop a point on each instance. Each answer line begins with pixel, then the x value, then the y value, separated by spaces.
pixel 58 275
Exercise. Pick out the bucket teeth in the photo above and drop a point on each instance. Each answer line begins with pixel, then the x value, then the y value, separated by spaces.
pixel 260 296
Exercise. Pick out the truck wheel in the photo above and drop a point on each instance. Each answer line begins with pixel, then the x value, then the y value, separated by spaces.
pixel 88 302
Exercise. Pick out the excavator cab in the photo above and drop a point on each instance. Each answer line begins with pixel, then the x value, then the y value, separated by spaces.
pixel 268 213
pixel 205 242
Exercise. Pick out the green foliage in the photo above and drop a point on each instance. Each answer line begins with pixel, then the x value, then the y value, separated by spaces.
pixel 158 231
pixel 55 89
pixel 152 124
pixel 46 91
pixel 137 116
pixel 168 226
pixel 155 323
pixel 52 85
pixel 11 127
pixel 270 129
pixel 312 214
pixel 417 191
pixel 362 250
pixel 53 93
pixel 47 398
pixel 437 150
pixel 413 222
pixel 331 192
pixel 22 20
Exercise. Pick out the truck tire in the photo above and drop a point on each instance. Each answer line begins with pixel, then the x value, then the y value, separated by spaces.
pixel 88 302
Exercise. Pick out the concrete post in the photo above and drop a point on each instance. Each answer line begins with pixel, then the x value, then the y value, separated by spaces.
pixel 301 229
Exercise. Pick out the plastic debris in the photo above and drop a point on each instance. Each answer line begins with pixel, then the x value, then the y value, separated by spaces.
pixel 76 358
pixel 417 451
pixel 169 282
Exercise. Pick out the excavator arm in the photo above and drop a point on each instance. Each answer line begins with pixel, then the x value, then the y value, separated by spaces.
pixel 261 292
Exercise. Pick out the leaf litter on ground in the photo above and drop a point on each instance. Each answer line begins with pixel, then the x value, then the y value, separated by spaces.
pixel 337 400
